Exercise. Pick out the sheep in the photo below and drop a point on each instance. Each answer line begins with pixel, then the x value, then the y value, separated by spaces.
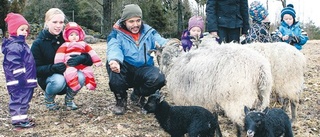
pixel 225 76
pixel 287 68
pixel 179 120
pixel 268 123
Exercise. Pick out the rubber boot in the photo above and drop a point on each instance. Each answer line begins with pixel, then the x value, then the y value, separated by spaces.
pixel 50 103
pixel 121 104
pixel 69 100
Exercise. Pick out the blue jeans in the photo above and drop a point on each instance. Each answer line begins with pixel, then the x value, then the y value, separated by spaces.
pixel 56 83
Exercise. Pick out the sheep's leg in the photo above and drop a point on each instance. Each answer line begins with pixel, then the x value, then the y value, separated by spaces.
pixel 293 111
pixel 218 132
pixel 285 104
pixel 239 130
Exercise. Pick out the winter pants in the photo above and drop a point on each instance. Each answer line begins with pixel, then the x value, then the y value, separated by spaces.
pixel 146 79
pixel 19 104
pixel 71 76
pixel 229 34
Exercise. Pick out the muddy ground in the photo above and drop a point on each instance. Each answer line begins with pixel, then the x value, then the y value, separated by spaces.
pixel 94 116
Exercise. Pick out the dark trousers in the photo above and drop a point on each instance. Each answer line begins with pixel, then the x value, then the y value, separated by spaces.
pixel 145 79
pixel 229 34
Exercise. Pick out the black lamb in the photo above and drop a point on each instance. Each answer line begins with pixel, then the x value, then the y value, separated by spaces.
pixel 268 123
pixel 179 120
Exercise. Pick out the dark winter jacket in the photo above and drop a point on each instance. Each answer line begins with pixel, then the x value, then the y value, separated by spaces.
pixel 44 50
pixel 18 63
pixel 228 14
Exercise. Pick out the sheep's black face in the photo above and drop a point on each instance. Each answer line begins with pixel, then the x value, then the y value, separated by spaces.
pixel 150 106
pixel 253 121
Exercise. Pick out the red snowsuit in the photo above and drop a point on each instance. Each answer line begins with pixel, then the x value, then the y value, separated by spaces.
pixel 76 48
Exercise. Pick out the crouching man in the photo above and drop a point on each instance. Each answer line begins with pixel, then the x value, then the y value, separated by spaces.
pixel 129 64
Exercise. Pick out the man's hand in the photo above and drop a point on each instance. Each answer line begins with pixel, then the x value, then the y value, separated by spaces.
pixel 114 66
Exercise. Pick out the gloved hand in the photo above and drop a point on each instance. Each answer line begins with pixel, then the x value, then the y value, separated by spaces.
pixel 293 39
pixel 76 60
pixel 186 44
pixel 296 39
pixel 58 68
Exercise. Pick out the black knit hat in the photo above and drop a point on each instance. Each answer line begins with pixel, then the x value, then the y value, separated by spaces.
pixel 288 10
pixel 129 11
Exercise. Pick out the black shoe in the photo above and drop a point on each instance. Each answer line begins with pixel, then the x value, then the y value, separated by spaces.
pixel 120 107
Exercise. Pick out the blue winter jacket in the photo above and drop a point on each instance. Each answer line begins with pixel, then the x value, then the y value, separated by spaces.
pixel 18 63
pixel 293 30
pixel 122 47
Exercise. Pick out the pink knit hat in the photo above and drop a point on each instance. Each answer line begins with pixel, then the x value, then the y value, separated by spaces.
pixel 14 21
pixel 196 21
pixel 73 27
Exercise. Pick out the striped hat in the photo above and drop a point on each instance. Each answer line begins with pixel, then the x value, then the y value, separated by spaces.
pixel 288 10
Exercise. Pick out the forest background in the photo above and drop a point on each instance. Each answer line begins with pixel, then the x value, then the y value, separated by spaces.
pixel 168 17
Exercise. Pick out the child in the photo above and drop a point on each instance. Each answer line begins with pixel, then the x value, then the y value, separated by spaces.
pixel 74 35
pixel 194 31
pixel 289 29
pixel 20 70
pixel 259 31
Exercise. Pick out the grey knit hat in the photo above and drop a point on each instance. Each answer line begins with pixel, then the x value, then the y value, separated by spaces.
pixel 129 11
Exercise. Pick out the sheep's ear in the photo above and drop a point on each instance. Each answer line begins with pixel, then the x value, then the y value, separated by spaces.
pixel 266 110
pixel 161 98
pixel 157 92
pixel 246 110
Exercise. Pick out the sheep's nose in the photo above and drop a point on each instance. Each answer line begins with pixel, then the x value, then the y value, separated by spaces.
pixel 250 133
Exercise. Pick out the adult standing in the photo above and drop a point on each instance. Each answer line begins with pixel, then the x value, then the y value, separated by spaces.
pixel 129 63
pixel 49 75
pixel 226 19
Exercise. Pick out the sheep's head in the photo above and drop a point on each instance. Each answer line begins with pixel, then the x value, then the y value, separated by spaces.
pixel 195 41
pixel 209 40
pixel 153 101
pixel 171 50
pixel 253 120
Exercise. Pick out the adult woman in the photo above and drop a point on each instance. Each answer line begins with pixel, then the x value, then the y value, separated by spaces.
pixel 49 75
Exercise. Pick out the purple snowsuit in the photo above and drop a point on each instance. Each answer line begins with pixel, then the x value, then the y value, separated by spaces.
pixel 20 72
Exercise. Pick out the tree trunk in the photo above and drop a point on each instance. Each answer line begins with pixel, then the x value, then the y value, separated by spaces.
pixel 107 22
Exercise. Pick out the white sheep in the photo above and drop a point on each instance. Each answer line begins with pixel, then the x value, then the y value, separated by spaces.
pixel 225 76
pixel 287 68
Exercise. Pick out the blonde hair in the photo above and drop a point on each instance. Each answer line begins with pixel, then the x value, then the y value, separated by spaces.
pixel 50 14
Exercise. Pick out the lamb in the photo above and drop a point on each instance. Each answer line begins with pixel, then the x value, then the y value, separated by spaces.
pixel 179 120
pixel 268 123
pixel 225 76
pixel 287 68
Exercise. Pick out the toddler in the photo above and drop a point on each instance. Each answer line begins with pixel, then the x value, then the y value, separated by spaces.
pixel 20 70
pixel 74 35
pixel 289 29
pixel 194 31
pixel 259 30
